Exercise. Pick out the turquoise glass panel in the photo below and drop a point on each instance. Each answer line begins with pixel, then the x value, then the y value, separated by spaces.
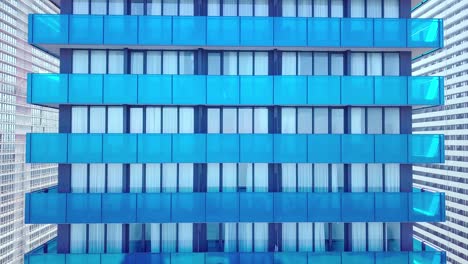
pixel 323 32
pixel 389 32
pixel 256 90
pixel 154 30
pixel 46 259
pixel 324 90
pixel 357 148
pixel 290 90
pixel 222 90
pixel 120 89
pixel 324 148
pixel 48 148
pixel 50 29
pixel 85 29
pixel 290 207
pixel 391 207
pixel 425 90
pixel 258 257
pixel 84 148
pixel 357 90
pixel 85 88
pixel 357 32
pixel 222 148
pixel 391 257
pixel 222 207
pixel 48 88
pixel 256 207
pixel 188 207
pixel 154 89
pixel 357 258
pixel 324 258
pixel 391 148
pixel 154 148
pixel 223 31
pixel 256 148
pixel 113 258
pixel 425 148
pixel 290 148
pixel 153 208
pixel 119 148
pixel 324 207
pixel 221 258
pixel 290 257
pixel 391 90
pixel 82 258
pixel 47 208
pixel 425 33
pixel 187 258
pixel 121 30
pixel 428 257
pixel 357 207
pixel 290 31
pixel 256 31
pixel 189 89
pixel 189 148
pixel 84 208
pixel 427 207
pixel 417 245
pixel 113 204
pixel 188 30
pixel 147 258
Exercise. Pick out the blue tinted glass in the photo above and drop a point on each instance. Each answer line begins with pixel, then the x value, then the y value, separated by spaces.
pixel 48 88
pixel 222 207
pixel 84 208
pixel 154 148
pixel 426 148
pixel 49 29
pixel 113 258
pixel 357 32
pixel 391 207
pixel 324 148
pixel 223 31
pixel 425 33
pixel 86 29
pixel 119 148
pixel 189 148
pixel 256 207
pixel 222 148
pixel 222 90
pixel 290 31
pixel 391 257
pixel 391 149
pixel 324 90
pixel 324 258
pixel 154 208
pixel 48 148
pixel 113 204
pixel 389 32
pixel 357 90
pixel 120 29
pixel 189 30
pixel 357 258
pixel 258 257
pixel 290 148
pixel 290 90
pixel 290 207
pixel 256 148
pixel 426 257
pixel 221 258
pixel 86 88
pixel 324 207
pixel 84 148
pixel 47 259
pixel 395 96
pixel 154 30
pixel 120 89
pixel 290 257
pixel 323 32
pixel 357 148
pixel 427 207
pixel 189 89
pixel 188 207
pixel 357 207
pixel 256 31
pixel 256 90
pixel 82 258
pixel 154 89
pixel 47 208
pixel 425 90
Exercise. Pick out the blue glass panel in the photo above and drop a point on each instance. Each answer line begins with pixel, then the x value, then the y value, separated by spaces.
pixel 290 90
pixel 257 257
pixel 84 148
pixel 189 148
pixel 357 258
pixel 113 204
pixel 290 148
pixel 221 258
pixel 256 207
pixel 357 90
pixel 113 258
pixel 357 148
pixel 85 29
pixel 222 207
pixel 290 207
pixel 256 90
pixel 154 30
pixel 48 88
pixel 357 207
pixel 417 245
pixel 50 29
pixel 154 89
pixel 222 148
pixel 323 32
pixel 290 257
pixel 120 89
pixel 391 207
pixel 120 30
pixel 154 148
pixel 324 148
pixel 147 258
pixel 357 32
pixel 256 148
pixel 425 33
pixel 48 148
pixel 188 207
pixel 154 208
pixel 47 208
pixel 391 257
pixel 426 207
pixel 85 88
pixel 222 31
pixel 391 148
pixel 84 208
pixel 324 207
pixel 427 257
pixel 188 30
pixel 397 95
pixel 324 90
pixel 222 90
pixel 389 32
pixel 425 90
pixel 83 258
pixel 290 31
pixel 256 31
pixel 324 258
pixel 119 148
pixel 189 89
pixel 425 148
pixel 187 258
pixel 47 259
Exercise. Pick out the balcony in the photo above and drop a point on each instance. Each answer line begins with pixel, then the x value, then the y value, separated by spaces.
pixel 52 32
pixel 94 89
pixel 48 208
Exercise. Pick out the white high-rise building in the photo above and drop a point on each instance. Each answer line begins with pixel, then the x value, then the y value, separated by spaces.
pixel 450 119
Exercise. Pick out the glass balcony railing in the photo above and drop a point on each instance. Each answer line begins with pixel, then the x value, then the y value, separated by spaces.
pixel 55 89
pixel 272 207
pixel 234 31
pixel 207 148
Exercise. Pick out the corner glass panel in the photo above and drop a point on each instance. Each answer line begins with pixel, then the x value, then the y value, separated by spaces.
pixel 427 90
pixel 47 208
pixel 50 29
pixel 427 207
pixel 425 33
pixel 48 88
pixel 48 148
pixel 425 148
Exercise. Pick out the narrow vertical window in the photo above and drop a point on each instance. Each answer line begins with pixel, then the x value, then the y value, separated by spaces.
pixel 116 7
pixel 116 62
pixel 80 61
pixel 358 8
pixel 99 7
pixel 98 61
pixel 80 7
pixel 136 63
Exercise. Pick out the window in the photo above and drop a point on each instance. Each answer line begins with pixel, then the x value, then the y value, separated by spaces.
pixel 312 63
pixel 163 7
pixel 98 61
pixel 237 8
pixel 312 8
pixel 162 62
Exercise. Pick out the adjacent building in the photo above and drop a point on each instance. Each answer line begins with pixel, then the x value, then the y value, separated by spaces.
pixel 234 132
pixel 450 120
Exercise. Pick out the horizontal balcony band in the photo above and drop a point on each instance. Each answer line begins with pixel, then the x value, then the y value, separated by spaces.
pixel 133 89
pixel 424 257
pixel 59 208
pixel 234 148
pixel 52 32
